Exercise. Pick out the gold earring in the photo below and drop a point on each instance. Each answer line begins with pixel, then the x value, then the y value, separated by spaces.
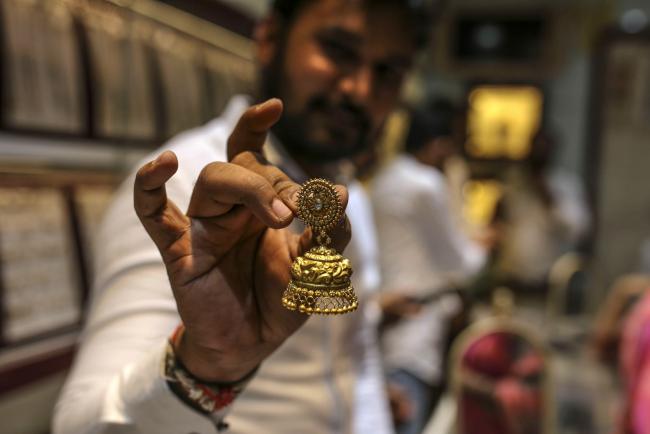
pixel 320 279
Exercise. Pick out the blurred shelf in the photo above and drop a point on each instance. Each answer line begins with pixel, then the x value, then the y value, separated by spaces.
pixel 28 151
pixel 28 364
pixel 191 25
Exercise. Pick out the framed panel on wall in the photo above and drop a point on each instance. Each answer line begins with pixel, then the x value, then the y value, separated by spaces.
pixel 243 72
pixel 627 83
pixel 91 201
pixel 617 162
pixel 48 222
pixel 180 64
pixel 41 286
pixel 42 68
pixel 121 75
pixel 220 83
pixel 227 75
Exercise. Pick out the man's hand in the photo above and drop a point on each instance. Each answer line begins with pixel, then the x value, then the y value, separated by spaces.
pixel 401 405
pixel 228 258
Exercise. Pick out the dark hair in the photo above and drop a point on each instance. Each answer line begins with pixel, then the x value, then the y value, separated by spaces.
pixel 428 124
pixel 419 13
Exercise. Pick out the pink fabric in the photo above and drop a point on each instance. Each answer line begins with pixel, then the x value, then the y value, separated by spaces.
pixel 635 368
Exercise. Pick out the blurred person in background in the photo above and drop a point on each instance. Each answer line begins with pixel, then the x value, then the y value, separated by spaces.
pixel 424 255
pixel 170 343
pixel 542 214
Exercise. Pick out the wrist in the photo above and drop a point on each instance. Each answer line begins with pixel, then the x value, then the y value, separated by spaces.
pixel 210 365
pixel 205 397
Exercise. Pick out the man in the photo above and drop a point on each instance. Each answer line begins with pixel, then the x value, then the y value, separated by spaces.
pixel 338 66
pixel 423 253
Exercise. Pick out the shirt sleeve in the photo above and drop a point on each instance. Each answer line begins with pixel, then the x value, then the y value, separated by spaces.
pixel 462 256
pixel 117 383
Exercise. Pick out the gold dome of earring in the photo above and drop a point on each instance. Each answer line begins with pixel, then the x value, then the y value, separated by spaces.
pixel 320 279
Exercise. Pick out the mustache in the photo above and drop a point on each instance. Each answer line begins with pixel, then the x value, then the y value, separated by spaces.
pixel 346 108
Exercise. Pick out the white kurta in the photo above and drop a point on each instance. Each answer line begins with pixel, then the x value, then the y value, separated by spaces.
pixel 312 384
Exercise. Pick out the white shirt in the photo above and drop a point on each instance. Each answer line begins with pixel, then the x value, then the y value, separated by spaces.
pixel 421 251
pixel 311 384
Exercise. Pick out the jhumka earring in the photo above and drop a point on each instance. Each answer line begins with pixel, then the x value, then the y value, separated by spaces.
pixel 320 279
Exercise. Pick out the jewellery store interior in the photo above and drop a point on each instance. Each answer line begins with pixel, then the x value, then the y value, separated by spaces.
pixel 493 158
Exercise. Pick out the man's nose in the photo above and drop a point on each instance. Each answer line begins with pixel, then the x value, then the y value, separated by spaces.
pixel 357 85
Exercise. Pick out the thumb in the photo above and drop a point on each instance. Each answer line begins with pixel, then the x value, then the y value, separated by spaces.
pixel 251 129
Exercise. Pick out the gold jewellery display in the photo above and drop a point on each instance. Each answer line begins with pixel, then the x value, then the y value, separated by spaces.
pixel 320 279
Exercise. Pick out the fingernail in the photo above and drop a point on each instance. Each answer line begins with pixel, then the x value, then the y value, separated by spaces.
pixel 295 195
pixel 158 159
pixel 280 209
pixel 267 103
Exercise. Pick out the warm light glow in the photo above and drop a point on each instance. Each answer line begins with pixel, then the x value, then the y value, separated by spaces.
pixel 480 199
pixel 502 121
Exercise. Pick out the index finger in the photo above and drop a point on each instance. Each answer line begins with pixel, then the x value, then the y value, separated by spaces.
pixel 286 188
pixel 251 129
pixel 221 186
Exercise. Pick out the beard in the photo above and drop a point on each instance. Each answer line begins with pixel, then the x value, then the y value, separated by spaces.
pixel 326 129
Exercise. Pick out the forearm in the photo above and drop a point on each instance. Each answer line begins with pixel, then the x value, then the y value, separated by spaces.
pixel 136 399
pixel 118 380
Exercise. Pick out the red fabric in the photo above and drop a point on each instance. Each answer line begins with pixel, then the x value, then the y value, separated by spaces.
pixel 509 362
